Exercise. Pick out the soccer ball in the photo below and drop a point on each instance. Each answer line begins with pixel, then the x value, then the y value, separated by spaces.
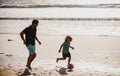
pixel 70 66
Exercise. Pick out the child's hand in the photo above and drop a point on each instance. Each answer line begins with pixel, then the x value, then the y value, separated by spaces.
pixel 72 48
pixel 59 51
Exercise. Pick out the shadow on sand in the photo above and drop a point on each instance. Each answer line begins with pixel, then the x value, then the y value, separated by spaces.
pixel 70 70
pixel 61 70
pixel 25 73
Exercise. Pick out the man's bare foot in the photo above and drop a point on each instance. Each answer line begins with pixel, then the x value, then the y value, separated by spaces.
pixel 57 60
pixel 29 67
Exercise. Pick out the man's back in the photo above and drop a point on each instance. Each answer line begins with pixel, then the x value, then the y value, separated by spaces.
pixel 30 34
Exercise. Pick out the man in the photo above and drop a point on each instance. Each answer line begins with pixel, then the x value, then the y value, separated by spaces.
pixel 29 41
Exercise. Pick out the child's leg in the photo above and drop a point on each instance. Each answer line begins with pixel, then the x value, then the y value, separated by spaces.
pixel 69 59
pixel 60 59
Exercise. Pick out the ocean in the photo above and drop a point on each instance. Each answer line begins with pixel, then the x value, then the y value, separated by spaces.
pixel 63 27
pixel 102 3
pixel 61 17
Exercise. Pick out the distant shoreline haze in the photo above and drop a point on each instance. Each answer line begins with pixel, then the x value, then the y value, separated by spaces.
pixel 52 2
pixel 59 5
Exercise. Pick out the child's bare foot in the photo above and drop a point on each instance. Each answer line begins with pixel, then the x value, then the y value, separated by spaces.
pixel 67 65
pixel 57 60
pixel 29 67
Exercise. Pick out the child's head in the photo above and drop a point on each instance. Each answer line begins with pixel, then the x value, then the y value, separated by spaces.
pixel 68 39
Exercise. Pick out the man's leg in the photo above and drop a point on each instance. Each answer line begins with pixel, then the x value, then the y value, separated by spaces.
pixel 32 55
pixel 30 59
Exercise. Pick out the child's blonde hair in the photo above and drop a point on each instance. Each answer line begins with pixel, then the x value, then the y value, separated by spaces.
pixel 68 37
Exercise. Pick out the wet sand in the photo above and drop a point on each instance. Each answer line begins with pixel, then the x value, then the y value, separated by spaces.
pixel 92 56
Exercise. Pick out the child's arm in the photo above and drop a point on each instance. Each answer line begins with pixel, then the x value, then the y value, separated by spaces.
pixel 60 48
pixel 72 47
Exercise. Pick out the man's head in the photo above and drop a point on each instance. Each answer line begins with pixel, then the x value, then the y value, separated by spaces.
pixel 35 23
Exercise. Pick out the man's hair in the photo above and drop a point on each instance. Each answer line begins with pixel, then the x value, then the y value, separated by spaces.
pixel 68 37
pixel 35 22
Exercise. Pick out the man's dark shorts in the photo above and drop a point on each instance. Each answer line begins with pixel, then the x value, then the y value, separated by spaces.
pixel 66 55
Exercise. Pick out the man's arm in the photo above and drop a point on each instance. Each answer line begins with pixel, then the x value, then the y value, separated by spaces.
pixel 37 40
pixel 22 37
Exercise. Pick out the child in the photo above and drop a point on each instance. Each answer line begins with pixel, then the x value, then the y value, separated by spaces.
pixel 65 50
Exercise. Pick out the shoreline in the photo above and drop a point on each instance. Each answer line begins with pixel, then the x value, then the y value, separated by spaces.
pixel 63 19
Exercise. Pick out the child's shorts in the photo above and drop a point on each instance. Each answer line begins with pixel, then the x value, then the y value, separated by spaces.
pixel 66 55
pixel 31 49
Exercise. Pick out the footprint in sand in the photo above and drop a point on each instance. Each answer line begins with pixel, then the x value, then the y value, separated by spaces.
pixel 9 55
pixel 34 74
pixel 108 75
pixel 10 40
pixel 2 53
pixel 106 57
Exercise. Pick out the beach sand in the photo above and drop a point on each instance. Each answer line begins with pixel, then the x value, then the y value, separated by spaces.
pixel 92 56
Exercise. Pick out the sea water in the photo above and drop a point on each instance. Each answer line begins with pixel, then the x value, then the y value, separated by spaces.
pixel 63 27
pixel 58 20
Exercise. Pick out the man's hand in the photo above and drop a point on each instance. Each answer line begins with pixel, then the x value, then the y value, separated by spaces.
pixel 39 43
pixel 24 42
pixel 37 40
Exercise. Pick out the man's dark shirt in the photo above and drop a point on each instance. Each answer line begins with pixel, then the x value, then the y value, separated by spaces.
pixel 30 34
